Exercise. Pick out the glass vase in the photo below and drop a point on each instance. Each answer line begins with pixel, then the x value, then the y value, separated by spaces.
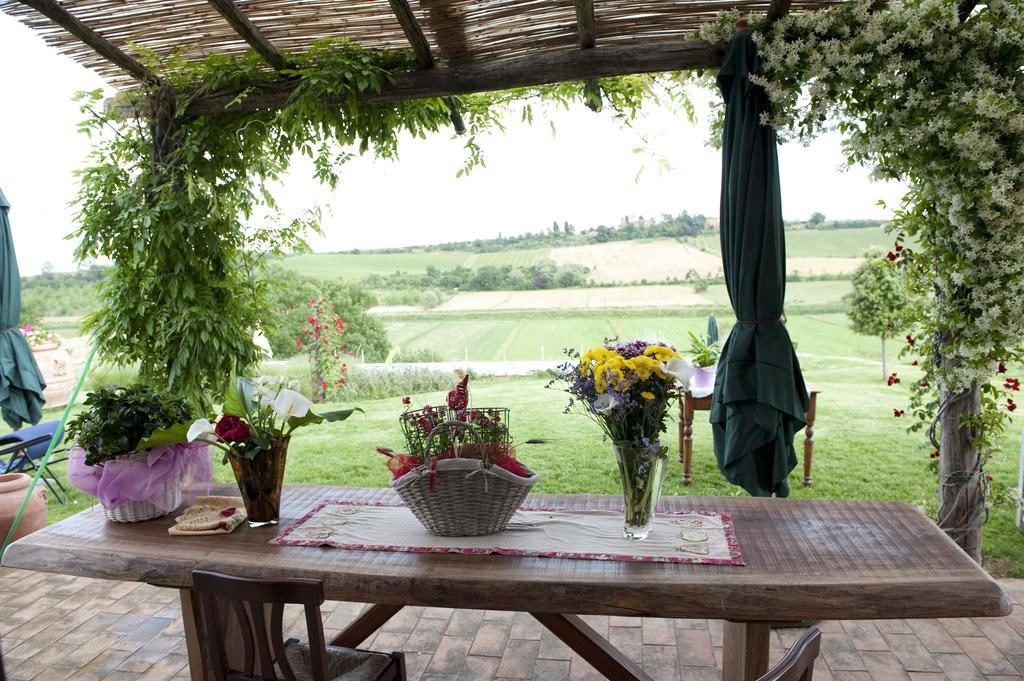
pixel 642 469
pixel 259 480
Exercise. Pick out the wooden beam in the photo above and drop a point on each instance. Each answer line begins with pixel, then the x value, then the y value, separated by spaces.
pixel 778 9
pixel 537 69
pixel 586 24
pixel 53 11
pixel 247 30
pixel 586 35
pixel 421 47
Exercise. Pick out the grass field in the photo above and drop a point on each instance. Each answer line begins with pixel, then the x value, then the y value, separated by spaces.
pixel 832 243
pixel 524 257
pixel 357 266
pixel 862 452
pixel 617 261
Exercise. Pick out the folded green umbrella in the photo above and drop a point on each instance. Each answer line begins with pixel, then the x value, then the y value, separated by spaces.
pixel 21 384
pixel 760 399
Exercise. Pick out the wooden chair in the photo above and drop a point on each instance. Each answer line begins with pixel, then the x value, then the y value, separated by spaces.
pixel 250 599
pixel 798 664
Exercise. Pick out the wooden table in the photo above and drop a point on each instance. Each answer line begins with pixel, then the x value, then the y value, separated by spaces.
pixel 688 404
pixel 806 560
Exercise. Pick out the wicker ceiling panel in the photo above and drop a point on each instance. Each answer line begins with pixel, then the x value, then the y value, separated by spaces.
pixel 459 31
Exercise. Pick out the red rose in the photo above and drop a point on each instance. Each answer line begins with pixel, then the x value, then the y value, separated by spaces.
pixel 232 429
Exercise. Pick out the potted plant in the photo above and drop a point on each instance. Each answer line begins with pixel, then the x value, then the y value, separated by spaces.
pixel 130 451
pixel 54 364
pixel 254 429
pixel 704 353
pixel 627 388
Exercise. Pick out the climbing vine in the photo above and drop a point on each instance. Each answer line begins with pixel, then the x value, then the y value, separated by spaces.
pixel 184 208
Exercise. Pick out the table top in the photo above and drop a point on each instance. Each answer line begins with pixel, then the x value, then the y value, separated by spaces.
pixel 806 559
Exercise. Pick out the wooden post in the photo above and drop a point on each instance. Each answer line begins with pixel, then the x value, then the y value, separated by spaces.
pixel 961 492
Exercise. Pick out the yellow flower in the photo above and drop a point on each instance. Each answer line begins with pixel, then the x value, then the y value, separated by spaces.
pixel 594 356
pixel 661 353
pixel 643 366
pixel 646 395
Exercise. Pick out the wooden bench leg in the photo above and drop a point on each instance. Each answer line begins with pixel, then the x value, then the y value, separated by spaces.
pixel 745 650
pixel 375 617
pixel 589 645
pixel 686 435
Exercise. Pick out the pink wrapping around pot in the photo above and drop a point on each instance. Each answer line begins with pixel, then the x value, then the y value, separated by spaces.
pixel 144 477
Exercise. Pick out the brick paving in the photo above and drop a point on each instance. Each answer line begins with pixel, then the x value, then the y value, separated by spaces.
pixel 54 627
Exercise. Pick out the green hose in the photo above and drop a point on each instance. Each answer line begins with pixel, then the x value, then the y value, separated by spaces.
pixel 49 452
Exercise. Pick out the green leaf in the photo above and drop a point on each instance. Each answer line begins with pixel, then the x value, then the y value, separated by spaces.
pixel 176 434
pixel 311 417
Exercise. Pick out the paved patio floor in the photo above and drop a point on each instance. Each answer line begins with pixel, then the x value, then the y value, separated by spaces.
pixel 54 627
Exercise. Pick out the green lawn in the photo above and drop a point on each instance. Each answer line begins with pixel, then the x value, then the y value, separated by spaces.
pixel 862 452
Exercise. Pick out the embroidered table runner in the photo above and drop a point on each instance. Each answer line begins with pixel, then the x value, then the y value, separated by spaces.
pixel 677 537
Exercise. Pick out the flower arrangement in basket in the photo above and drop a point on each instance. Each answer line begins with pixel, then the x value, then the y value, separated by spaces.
pixel 460 476
pixel 131 451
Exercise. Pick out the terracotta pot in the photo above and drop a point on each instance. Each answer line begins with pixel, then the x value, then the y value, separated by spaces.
pixel 259 480
pixel 13 487
pixel 56 367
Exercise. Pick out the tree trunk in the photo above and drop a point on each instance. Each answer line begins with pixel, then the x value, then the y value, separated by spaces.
pixel 961 492
pixel 885 362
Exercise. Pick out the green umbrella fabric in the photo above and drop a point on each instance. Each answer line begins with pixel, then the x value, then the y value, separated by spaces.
pixel 760 399
pixel 21 384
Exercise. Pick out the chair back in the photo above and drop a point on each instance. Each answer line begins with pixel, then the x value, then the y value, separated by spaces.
pixel 249 600
pixel 798 664
pixel 33 437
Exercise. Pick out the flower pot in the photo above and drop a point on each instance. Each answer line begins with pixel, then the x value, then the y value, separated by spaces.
pixel 259 480
pixel 56 367
pixel 13 487
pixel 704 379
pixel 642 470
pixel 163 502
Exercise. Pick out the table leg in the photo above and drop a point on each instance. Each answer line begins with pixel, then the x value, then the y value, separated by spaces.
pixel 745 650
pixel 363 626
pixel 809 438
pixel 686 435
pixel 589 645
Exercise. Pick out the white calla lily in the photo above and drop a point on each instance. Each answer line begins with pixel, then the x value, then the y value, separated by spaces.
pixel 294 384
pixel 290 403
pixel 199 428
pixel 680 369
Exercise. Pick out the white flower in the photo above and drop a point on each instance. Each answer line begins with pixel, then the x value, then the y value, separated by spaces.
pixel 294 384
pixel 291 403
pixel 260 341
pixel 680 369
pixel 199 428
pixel 604 403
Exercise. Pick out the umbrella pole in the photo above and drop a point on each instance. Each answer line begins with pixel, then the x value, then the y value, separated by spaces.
pixel 49 452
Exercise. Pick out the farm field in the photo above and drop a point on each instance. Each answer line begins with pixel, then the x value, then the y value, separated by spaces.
pixel 569 298
pixel 357 266
pixel 513 257
pixel 810 253
pixel 809 243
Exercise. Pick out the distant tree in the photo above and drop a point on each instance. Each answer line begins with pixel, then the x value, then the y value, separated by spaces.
pixel 878 305
pixel 603 234
pixel 567 228
pixel 816 220
pixel 48 269
pixel 554 227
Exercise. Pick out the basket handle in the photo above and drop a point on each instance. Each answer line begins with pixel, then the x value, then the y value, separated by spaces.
pixel 454 426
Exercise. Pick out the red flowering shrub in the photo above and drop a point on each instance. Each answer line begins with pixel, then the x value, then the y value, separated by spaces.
pixel 324 342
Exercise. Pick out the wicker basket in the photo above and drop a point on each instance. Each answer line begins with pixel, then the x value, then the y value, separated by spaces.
pixel 462 497
pixel 137 511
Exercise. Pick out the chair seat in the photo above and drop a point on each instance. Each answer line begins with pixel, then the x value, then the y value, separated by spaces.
pixel 343 664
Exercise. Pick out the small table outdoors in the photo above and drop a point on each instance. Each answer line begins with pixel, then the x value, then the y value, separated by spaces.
pixel 689 404
pixel 806 560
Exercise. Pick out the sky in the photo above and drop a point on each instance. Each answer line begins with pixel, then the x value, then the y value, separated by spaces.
pixel 585 172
